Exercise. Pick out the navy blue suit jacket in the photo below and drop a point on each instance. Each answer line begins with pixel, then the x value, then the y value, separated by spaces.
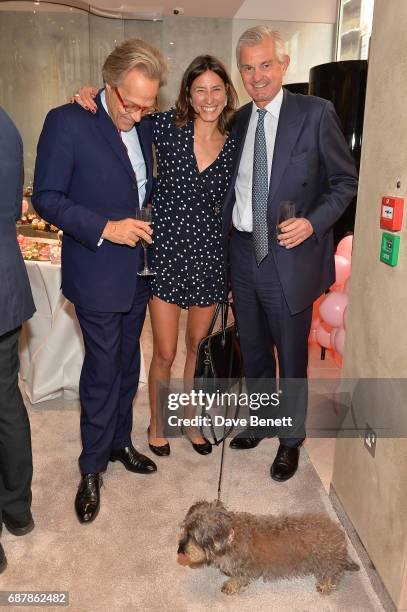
pixel 83 178
pixel 16 302
pixel 313 167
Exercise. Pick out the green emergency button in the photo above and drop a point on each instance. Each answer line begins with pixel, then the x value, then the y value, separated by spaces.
pixel 389 252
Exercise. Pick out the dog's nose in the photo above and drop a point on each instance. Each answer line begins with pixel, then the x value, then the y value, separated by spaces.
pixel 181 548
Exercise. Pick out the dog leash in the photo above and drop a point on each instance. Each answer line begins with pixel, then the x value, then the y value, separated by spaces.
pixel 221 470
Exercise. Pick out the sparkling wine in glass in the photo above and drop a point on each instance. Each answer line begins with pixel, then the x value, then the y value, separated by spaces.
pixel 286 211
pixel 145 214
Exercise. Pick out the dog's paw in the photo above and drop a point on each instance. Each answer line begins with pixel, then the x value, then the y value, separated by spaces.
pixel 230 588
pixel 325 587
pixel 234 585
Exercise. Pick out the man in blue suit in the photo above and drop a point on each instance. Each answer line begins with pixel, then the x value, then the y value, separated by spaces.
pixel 290 148
pixel 16 306
pixel 93 172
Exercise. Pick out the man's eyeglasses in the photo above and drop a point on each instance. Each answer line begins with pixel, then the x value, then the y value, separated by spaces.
pixel 135 108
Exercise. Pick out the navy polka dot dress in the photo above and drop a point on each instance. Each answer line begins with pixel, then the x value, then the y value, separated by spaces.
pixel 187 252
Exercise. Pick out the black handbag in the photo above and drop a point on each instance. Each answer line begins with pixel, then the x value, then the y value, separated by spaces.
pixel 219 364
pixel 219 355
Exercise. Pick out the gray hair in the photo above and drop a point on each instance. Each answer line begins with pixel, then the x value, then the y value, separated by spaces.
pixel 131 54
pixel 256 35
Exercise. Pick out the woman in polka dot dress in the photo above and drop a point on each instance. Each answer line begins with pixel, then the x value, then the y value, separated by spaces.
pixel 194 166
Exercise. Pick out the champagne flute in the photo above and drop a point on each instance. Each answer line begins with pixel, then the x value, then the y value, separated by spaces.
pixel 286 211
pixel 145 214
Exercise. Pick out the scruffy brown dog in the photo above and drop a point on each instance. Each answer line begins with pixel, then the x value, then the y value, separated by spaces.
pixel 245 546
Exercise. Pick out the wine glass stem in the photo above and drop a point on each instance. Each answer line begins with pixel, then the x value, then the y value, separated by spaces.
pixel 145 258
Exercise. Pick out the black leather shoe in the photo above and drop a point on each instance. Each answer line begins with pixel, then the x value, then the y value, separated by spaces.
pixel 18 527
pixel 203 449
pixel 3 560
pixel 285 464
pixel 133 460
pixel 87 500
pixel 161 451
pixel 244 440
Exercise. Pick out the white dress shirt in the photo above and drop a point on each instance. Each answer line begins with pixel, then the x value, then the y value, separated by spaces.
pixel 242 216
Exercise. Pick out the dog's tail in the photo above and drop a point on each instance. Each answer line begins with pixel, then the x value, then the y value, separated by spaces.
pixel 351 566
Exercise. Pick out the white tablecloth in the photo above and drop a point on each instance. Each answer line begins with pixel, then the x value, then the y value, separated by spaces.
pixel 51 348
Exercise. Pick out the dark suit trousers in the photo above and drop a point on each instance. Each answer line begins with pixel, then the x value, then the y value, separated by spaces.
pixel 15 437
pixel 265 324
pixel 109 379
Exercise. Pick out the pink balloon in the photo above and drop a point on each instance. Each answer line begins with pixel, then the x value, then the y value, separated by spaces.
pixel 315 307
pixel 342 269
pixel 346 286
pixel 312 338
pixel 331 309
pixel 344 248
pixel 323 335
pixel 334 331
pixel 315 322
pixel 345 317
pixel 338 359
pixel 340 341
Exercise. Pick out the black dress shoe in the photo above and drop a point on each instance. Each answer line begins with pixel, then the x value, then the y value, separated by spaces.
pixel 133 460
pixel 87 500
pixel 3 560
pixel 161 451
pixel 285 464
pixel 245 440
pixel 18 527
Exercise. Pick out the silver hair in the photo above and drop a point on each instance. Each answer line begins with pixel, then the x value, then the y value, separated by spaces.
pixel 134 54
pixel 256 35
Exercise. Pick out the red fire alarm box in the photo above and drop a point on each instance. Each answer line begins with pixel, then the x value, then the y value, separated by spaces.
pixel 391 214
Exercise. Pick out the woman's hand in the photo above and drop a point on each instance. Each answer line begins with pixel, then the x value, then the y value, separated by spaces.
pixel 84 97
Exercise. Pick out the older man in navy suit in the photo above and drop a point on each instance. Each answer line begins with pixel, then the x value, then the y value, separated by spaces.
pixel 93 172
pixel 16 306
pixel 290 148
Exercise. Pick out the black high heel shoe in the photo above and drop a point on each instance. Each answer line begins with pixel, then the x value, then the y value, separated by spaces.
pixel 161 451
pixel 203 449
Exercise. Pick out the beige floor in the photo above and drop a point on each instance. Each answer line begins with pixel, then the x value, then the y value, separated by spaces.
pixel 126 559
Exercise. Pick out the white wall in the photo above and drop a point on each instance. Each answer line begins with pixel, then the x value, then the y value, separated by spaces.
pixel 317 11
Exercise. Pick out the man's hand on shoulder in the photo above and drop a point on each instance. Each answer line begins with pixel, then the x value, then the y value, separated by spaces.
pixel 294 231
pixel 127 231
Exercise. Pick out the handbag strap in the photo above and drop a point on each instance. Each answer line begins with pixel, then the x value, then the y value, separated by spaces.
pixel 223 309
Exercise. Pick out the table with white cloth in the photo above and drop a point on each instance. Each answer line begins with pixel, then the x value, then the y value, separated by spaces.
pixel 51 346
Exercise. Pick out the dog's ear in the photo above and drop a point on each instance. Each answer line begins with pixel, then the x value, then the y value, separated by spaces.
pixel 222 535
pixel 214 530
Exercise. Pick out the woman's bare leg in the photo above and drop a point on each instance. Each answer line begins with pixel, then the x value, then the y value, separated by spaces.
pixel 199 319
pixel 164 323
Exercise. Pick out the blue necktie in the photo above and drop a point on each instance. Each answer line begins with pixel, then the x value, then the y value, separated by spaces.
pixel 260 190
